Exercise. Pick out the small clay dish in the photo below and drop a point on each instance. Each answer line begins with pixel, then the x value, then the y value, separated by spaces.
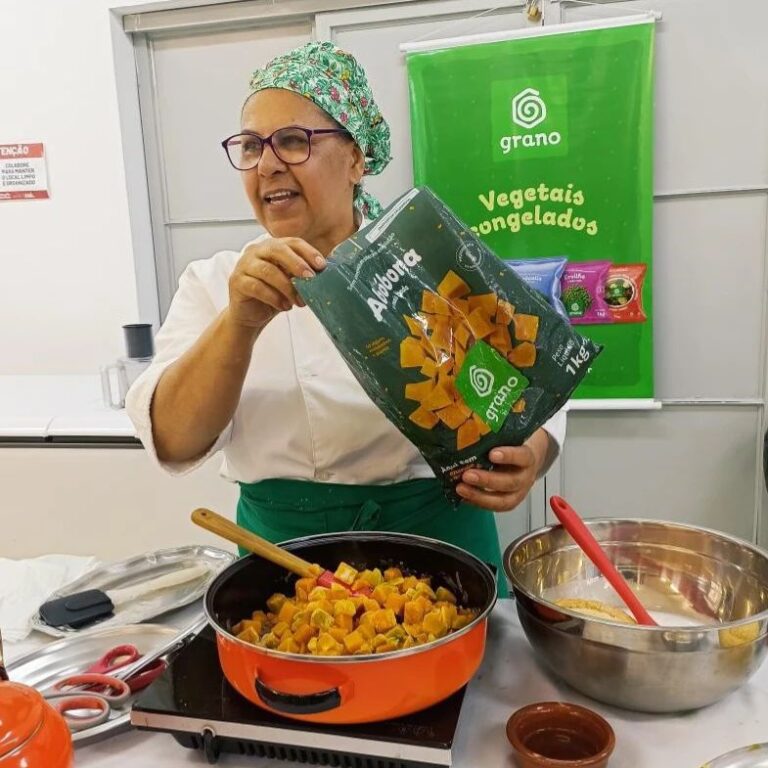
pixel 555 734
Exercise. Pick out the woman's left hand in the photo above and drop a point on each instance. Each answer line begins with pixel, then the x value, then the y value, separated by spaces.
pixel 516 470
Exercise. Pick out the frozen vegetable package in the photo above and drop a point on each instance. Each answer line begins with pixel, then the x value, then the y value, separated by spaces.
pixel 455 349
pixel 624 292
pixel 544 275
pixel 584 292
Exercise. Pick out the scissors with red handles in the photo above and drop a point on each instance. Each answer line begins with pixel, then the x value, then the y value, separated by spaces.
pixel 70 695
pixel 121 656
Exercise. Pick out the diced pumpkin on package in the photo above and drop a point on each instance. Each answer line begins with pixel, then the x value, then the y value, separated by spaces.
pixel 455 348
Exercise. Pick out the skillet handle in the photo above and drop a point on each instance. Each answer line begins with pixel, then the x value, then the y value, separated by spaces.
pixel 298 704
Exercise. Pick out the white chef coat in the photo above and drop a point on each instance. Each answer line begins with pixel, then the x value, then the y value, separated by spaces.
pixel 302 414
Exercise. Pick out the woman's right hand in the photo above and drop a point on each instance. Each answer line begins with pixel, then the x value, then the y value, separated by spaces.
pixel 260 285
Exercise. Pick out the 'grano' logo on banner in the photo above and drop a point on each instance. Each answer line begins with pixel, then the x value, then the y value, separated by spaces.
pixel 528 108
pixel 536 114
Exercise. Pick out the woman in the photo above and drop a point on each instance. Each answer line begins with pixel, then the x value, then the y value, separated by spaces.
pixel 244 367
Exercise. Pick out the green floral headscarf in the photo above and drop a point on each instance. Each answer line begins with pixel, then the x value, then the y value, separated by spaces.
pixel 335 82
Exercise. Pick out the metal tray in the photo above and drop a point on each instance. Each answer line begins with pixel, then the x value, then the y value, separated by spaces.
pixel 753 756
pixel 43 667
pixel 143 568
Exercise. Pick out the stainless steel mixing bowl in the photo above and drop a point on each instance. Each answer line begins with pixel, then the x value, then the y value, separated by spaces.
pixel 695 573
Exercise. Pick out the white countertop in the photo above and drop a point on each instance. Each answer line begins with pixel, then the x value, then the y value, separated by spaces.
pixel 509 678
pixel 40 407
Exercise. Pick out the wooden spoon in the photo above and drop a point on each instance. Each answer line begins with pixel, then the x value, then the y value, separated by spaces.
pixel 589 545
pixel 253 543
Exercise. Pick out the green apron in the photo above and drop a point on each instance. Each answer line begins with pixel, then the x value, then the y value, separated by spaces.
pixel 279 510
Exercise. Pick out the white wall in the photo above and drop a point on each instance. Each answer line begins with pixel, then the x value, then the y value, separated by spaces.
pixel 66 264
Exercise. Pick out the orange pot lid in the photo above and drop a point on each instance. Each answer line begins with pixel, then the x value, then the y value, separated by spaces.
pixel 21 712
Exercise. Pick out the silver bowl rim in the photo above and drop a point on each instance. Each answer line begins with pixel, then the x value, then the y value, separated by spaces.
pixel 698 630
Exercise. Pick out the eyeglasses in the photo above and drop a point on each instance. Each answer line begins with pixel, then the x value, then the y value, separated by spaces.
pixel 292 145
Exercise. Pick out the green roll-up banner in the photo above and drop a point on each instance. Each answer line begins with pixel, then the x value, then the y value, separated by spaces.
pixel 543 144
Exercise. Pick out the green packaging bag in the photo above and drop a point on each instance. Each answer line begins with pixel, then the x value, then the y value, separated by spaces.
pixel 455 349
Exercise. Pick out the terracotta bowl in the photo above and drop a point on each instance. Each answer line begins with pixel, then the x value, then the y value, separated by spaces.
pixel 555 734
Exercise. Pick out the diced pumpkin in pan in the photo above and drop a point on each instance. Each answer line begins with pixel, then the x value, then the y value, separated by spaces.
pixel 385 647
pixel 289 645
pixel 452 286
pixel 396 634
pixel 345 573
pixel 338 633
pixel 461 621
pixel 419 390
pixel 413 612
pixel 270 641
pixel 467 434
pixel 381 593
pixel 413 630
pixel 526 327
pixel 448 613
pixel 409 582
pixel 345 607
pixel 249 635
pixel 342 621
pixel 303 634
pixel 373 577
pixel 304 587
pixel 353 642
pixel 425 591
pixel 443 594
pixel 523 355
pixel 319 593
pixel 321 619
pixel 519 406
pixel 275 603
pixel 434 624
pixel 384 620
pixel 395 602
pixel 327 645
pixel 280 628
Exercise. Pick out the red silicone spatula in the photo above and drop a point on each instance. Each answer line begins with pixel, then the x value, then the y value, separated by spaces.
pixel 581 535
pixel 253 543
